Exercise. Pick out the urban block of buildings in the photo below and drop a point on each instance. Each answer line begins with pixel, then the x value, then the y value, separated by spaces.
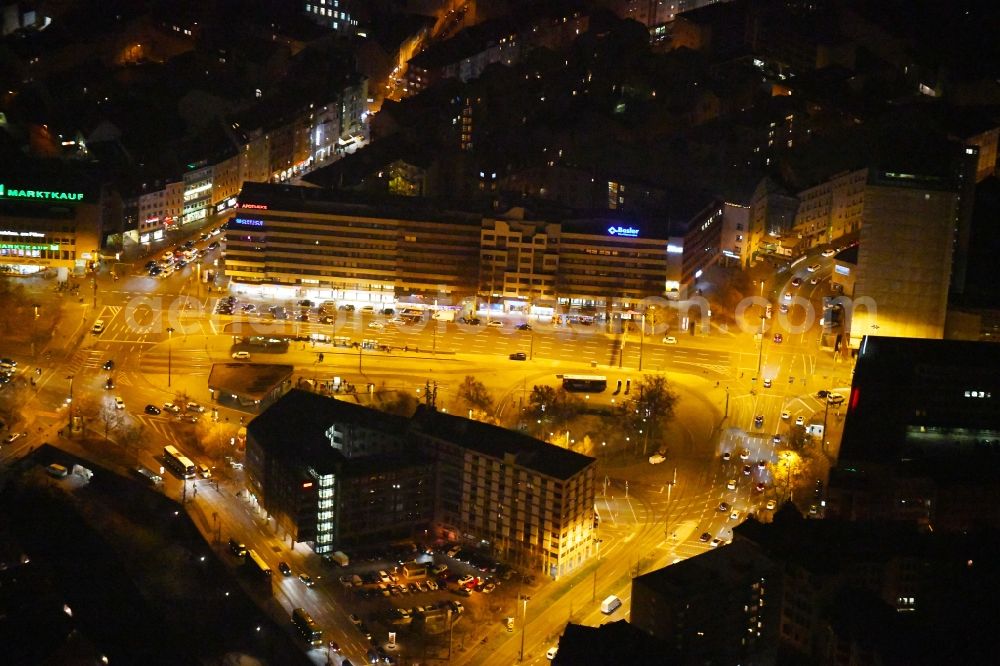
pixel 308 242
pixel 338 475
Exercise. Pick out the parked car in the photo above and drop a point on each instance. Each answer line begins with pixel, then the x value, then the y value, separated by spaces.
pixel 518 356
pixel 171 407
pixel 152 409
pixel 241 356
pixel 670 340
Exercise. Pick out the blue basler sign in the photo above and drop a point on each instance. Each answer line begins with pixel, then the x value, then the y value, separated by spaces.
pixel 627 232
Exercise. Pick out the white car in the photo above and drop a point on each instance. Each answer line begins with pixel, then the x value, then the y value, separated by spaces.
pixel 119 403
pixel 829 252
pixel 670 340
pixel 495 324
pixel 377 325
pixel 735 515
pixel 785 416
pixel 770 505
pixel 812 268
pixel 656 459
pixel 787 296
pixel 171 407
pixel 799 421
pixel 550 654
pixel 241 356
pixel 731 484
pixel 195 407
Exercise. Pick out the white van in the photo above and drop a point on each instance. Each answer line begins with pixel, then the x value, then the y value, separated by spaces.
pixel 610 605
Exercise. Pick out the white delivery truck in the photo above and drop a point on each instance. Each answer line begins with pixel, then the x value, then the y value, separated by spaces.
pixel 610 605
pixel 443 315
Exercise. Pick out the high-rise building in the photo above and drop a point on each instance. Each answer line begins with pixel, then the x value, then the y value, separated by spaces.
pixel 905 255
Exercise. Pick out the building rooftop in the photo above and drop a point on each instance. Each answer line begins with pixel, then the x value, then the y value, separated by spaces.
pixel 499 443
pixel 611 643
pixel 339 202
pixel 253 381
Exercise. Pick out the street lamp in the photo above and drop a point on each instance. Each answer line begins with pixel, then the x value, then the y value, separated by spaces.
pixel 763 317
pixel 524 599
pixel 70 410
pixel 170 334
pixel 642 336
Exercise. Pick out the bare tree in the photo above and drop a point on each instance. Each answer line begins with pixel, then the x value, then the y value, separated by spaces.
pixel 650 410
pixel 474 395
pixel 550 407
pixel 111 417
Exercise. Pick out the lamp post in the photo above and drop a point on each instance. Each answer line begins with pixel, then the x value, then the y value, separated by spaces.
pixel 642 336
pixel 523 598
pixel 34 326
pixel 70 410
pixel 170 335
pixel 763 317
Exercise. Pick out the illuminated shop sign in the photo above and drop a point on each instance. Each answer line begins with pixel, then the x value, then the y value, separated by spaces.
pixel 625 232
pixel 841 269
pixel 21 234
pixel 26 248
pixel 18 193
pixel 254 206
pixel 246 222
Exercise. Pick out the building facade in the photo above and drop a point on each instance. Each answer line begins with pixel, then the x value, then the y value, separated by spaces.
pixel 532 502
pixel 49 220
pixel 296 240
pixel 905 256
pixel 351 475
pixel 368 248
pixel 831 209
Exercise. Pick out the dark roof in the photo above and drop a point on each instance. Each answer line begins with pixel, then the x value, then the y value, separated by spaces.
pixel 252 381
pixel 725 566
pixel 499 442
pixel 311 414
pixel 913 398
pixel 611 643
pixel 351 170
pixel 338 202
pixel 792 538
pixel 848 255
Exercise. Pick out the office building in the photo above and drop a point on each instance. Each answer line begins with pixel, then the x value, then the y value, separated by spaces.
pixel 296 241
pixel 921 434
pixel 341 477
pixel 349 475
pixel 905 257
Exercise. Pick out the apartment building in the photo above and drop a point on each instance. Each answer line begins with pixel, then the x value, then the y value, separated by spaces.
pixel 349 475
pixel 831 209
pixel 532 502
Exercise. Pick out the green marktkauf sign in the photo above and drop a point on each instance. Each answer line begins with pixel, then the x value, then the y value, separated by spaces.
pixel 12 193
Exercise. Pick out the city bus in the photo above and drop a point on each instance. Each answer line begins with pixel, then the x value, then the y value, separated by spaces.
pixel 585 383
pixel 178 462
pixel 307 627
pixel 258 562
